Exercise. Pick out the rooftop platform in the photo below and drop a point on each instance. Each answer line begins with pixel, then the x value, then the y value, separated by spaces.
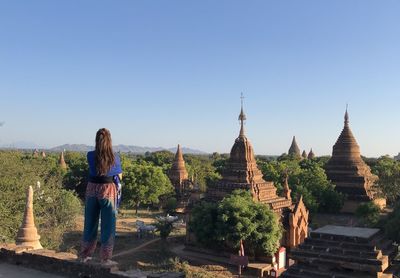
pixel 347 231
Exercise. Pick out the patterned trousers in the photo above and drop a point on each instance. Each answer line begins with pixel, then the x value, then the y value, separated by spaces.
pixel 100 201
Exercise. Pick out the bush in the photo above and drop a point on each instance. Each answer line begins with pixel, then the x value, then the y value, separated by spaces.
pixel 368 213
pixel 237 217
pixel 171 205
pixel 55 208
pixel 164 227
pixel 392 225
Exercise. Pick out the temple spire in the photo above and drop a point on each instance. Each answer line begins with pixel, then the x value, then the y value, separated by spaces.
pixel 286 189
pixel 242 117
pixel 294 149
pixel 346 116
pixel 61 161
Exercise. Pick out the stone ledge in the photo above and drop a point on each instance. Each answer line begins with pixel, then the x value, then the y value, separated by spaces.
pixel 66 264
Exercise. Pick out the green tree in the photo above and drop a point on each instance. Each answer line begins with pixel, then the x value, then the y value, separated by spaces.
pixel 76 177
pixel 55 208
pixel 307 178
pixel 236 218
pixel 144 184
pixel 171 205
pixel 203 223
pixel 388 171
pixel 202 169
pixel 161 159
pixel 392 225
pixel 165 228
pixel 240 218
pixel 368 213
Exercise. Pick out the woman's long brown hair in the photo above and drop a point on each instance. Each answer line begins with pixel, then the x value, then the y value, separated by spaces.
pixel 104 155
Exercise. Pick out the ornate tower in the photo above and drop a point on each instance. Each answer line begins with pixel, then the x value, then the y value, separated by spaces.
pixel 178 174
pixel 294 149
pixel 304 154
pixel 241 172
pixel 349 173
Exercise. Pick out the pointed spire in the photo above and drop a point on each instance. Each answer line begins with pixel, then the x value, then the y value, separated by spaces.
pixel 304 154
pixel 286 189
pixel 311 154
pixel 242 117
pixel 294 149
pixel 27 234
pixel 178 173
pixel 179 155
pixel 61 161
pixel 346 116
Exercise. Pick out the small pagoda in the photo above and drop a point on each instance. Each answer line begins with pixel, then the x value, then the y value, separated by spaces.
pixel 61 161
pixel 351 175
pixel 178 174
pixel 241 172
pixel 294 149
pixel 311 154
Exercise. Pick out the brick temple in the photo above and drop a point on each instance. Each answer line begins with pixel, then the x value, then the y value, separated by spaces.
pixel 342 252
pixel 178 174
pixel 351 175
pixel 241 172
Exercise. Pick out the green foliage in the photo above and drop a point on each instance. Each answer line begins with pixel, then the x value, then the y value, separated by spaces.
pixel 237 217
pixel 161 159
pixel 144 184
pixel 202 170
pixel 55 208
pixel 307 178
pixel 203 224
pixel 392 225
pixel 388 171
pixel 368 213
pixel 171 205
pixel 76 177
pixel 164 227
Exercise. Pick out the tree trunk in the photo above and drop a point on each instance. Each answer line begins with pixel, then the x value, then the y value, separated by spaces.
pixel 137 207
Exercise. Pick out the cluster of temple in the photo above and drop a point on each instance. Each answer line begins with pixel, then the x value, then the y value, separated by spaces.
pixel 294 151
pixel 331 251
pixel 241 172
pixel 61 160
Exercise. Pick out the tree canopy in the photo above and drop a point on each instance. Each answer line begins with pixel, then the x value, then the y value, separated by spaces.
pixel 144 184
pixel 55 208
pixel 306 178
pixel 237 217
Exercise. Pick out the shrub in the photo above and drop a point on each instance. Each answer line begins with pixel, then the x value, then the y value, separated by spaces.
pixel 368 213
pixel 55 208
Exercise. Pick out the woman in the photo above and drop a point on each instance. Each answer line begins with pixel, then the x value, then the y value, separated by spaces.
pixel 101 193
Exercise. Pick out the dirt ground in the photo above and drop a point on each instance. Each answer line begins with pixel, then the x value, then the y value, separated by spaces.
pixel 147 253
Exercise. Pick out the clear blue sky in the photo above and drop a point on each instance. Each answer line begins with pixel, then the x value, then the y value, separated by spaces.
pixel 159 73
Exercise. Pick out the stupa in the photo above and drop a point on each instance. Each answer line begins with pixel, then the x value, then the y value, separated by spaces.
pixel 351 175
pixel 311 154
pixel 178 174
pixel 27 235
pixel 304 155
pixel 241 172
pixel 61 161
pixel 294 149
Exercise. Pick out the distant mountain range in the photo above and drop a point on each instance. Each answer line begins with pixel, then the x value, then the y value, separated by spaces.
pixel 122 148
